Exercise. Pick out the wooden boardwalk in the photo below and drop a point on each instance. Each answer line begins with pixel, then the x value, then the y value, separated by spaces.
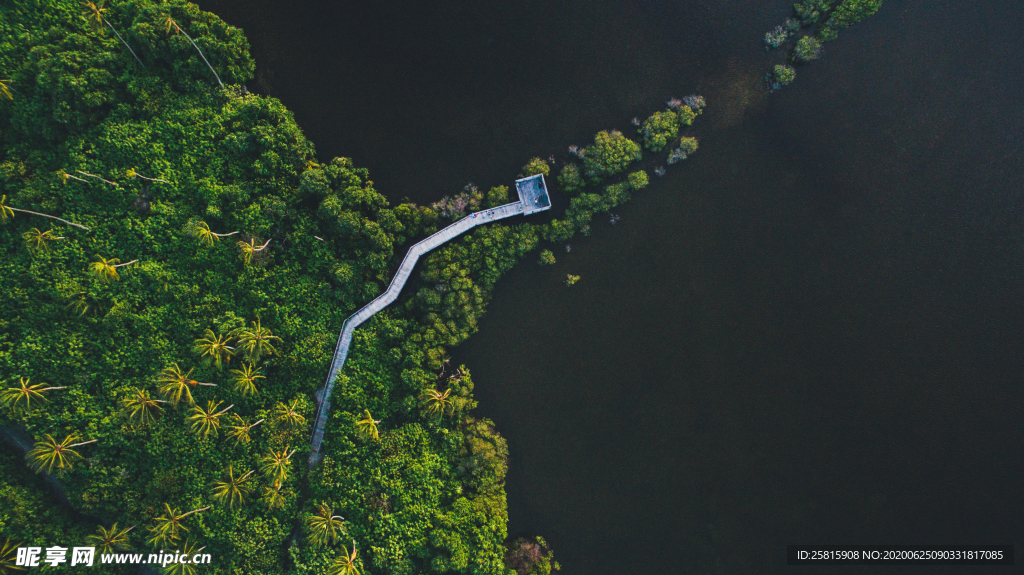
pixel 387 298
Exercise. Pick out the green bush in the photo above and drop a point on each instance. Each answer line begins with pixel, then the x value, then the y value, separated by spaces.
pixel 659 129
pixel 535 166
pixel 570 180
pixel 807 49
pixel 609 155
pixel 497 196
pixel 849 12
pixel 686 116
pixel 638 180
pixel 810 11
pixel 784 75
pixel 546 258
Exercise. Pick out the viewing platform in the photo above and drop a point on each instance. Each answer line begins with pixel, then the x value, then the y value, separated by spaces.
pixel 533 197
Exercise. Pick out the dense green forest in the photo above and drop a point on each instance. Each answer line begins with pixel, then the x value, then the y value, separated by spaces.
pixel 177 262
pixel 164 351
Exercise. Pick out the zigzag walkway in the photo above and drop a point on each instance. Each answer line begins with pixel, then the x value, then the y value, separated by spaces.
pixel 387 298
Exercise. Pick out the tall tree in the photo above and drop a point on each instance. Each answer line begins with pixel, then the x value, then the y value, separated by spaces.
pixel 189 549
pixel 207 237
pixel 38 241
pixel 286 415
pixel 239 427
pixel 366 427
pixel 233 490
pixel 172 25
pixel 141 408
pixel 346 564
pixel 437 403
pixel 244 379
pixel 205 421
pixel 49 453
pixel 7 212
pixel 272 496
pixel 106 270
pixel 94 14
pixel 214 347
pixel 324 527
pixel 168 527
pixel 249 249
pixel 276 465
pixel 110 540
pixel 256 341
pixel 14 397
pixel 175 385
pixel 8 557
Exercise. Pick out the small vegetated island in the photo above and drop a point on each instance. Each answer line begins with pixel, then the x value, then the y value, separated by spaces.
pixel 177 263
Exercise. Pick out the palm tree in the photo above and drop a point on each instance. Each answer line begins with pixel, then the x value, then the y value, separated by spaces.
pixel 141 408
pixel 245 379
pixel 287 416
pixel 256 341
pixel 206 421
pixel 215 348
pixel 179 568
pixel 276 464
pixel 168 526
pixel 12 397
pixel 346 564
pixel 106 270
pixel 131 173
pixel 272 496
pixel 249 249
pixel 48 453
pixel 324 527
pixel 234 490
pixel 100 178
pixel 239 428
pixel 172 25
pixel 8 557
pixel 176 386
pixel 7 212
pixel 202 232
pixel 437 403
pixel 5 89
pixel 366 427
pixel 93 14
pixel 39 241
pixel 109 540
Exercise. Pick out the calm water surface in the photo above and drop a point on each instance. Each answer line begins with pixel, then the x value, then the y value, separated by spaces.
pixel 811 332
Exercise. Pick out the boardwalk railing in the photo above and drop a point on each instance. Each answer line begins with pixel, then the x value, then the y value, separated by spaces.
pixel 387 298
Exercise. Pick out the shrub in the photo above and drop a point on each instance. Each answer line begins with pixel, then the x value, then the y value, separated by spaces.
pixel 609 155
pixel 686 114
pixel 535 166
pixel 570 179
pixel 695 102
pixel 497 196
pixel 660 129
pixel 686 147
pixel 807 49
pixel 775 38
pixel 850 12
pixel 546 258
pixel 783 75
pixel 638 180
pixel 810 10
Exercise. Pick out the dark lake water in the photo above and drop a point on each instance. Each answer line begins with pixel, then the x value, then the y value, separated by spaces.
pixel 810 332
